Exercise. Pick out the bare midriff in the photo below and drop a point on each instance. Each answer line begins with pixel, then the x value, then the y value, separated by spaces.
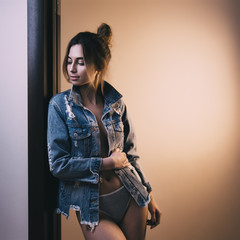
pixel 109 180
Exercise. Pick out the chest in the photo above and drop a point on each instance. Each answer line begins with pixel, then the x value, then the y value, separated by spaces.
pixel 97 111
pixel 95 129
pixel 106 117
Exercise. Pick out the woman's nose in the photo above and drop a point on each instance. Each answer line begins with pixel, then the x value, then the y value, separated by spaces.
pixel 73 68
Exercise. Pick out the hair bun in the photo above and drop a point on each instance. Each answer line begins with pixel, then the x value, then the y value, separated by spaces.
pixel 105 32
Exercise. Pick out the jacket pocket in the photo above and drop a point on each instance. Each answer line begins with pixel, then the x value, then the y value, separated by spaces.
pixel 118 134
pixel 118 126
pixel 81 140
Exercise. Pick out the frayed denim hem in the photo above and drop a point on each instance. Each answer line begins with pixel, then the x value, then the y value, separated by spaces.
pixel 59 211
pixel 91 225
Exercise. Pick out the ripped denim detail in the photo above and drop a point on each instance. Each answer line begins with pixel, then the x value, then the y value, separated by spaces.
pixel 69 109
pixel 50 157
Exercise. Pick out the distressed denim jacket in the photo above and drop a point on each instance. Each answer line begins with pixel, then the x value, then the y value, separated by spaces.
pixel 74 152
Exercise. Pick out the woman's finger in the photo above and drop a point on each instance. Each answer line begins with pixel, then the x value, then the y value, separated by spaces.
pixel 127 163
pixel 153 220
pixel 158 217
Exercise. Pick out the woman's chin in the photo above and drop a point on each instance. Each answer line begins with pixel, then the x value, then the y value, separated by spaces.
pixel 79 83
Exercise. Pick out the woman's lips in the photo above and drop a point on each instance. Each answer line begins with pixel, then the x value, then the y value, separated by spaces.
pixel 74 78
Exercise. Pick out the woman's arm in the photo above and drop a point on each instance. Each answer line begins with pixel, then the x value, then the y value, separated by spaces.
pixel 130 150
pixel 154 211
pixel 62 164
pixel 130 147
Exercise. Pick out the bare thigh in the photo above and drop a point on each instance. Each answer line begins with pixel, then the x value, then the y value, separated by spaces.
pixel 134 222
pixel 106 230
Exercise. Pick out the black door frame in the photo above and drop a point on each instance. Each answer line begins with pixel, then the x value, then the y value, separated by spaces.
pixel 43 61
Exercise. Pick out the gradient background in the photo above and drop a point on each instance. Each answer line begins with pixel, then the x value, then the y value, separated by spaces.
pixel 177 65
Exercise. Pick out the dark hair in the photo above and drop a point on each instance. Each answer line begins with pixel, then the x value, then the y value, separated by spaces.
pixel 96 51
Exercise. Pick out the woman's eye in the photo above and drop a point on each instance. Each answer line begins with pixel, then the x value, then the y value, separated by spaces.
pixel 68 62
pixel 81 63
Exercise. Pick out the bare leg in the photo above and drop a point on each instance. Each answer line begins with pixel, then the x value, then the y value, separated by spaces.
pixel 106 230
pixel 134 222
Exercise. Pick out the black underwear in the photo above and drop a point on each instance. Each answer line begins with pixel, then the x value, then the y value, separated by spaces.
pixel 115 204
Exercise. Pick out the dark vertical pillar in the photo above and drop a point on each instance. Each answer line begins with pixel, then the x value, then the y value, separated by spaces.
pixel 44 224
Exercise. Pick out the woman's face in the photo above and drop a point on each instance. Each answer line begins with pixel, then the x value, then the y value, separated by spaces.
pixel 76 67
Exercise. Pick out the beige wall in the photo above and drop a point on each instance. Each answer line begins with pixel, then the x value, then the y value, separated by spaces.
pixel 175 62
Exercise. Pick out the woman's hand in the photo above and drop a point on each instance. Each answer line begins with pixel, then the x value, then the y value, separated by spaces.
pixel 116 160
pixel 154 211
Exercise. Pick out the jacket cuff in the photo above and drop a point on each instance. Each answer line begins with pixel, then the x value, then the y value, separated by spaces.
pixel 148 186
pixel 95 166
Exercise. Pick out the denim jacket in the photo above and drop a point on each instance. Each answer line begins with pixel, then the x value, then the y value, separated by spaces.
pixel 74 152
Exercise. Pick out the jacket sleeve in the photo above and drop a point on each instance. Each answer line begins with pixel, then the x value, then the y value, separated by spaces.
pixel 130 148
pixel 62 164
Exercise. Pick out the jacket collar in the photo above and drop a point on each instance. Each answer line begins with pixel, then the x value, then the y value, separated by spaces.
pixel 111 95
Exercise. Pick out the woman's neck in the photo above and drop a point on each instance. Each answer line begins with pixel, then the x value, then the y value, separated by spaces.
pixel 89 95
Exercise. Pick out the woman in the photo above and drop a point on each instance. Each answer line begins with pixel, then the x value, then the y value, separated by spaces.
pixel 91 146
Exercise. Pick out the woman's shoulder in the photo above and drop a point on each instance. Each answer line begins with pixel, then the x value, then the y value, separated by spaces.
pixel 60 98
